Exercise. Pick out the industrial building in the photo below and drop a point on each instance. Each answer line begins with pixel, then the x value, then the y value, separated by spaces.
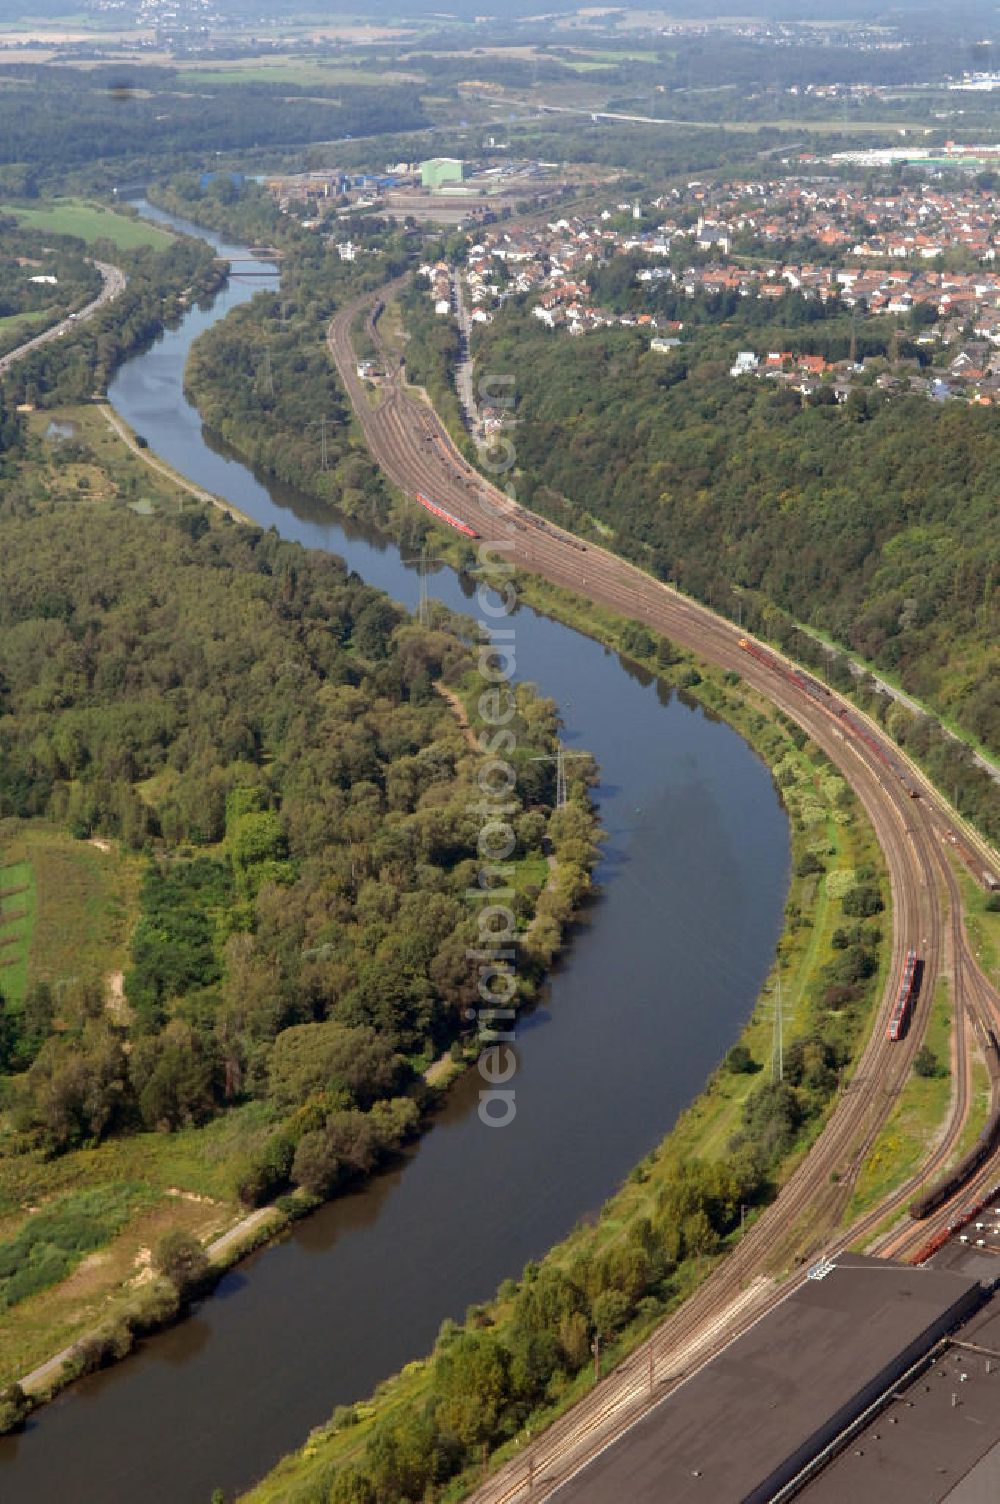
pixel 937 1441
pixel 748 1423
pixel 438 172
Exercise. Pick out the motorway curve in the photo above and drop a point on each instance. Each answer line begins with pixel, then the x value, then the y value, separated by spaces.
pixel 113 280
pixel 414 450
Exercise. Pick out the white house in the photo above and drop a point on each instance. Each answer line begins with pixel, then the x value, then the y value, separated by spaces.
pixel 746 363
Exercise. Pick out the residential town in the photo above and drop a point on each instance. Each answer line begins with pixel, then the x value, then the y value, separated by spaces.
pixel 923 255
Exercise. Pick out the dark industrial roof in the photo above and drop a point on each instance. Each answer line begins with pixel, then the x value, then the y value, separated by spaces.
pixel 751 1419
pixel 939 1442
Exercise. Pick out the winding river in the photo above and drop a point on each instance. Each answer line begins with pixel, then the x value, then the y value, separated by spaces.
pixel 659 976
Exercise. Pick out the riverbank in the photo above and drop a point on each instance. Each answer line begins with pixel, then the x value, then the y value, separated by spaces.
pixel 191 1178
pixel 142 452
pixel 686 1204
pixel 130 1316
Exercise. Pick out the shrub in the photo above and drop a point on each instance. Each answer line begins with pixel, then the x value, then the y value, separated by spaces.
pixel 611 1310
pixel 927 1064
pixel 180 1257
pixel 862 901
pixel 14 1408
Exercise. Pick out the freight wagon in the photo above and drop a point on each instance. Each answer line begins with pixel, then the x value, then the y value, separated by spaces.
pixel 851 722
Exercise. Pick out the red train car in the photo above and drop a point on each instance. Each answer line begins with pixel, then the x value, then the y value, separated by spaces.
pixel 900 1019
pixel 932 1245
pixel 445 516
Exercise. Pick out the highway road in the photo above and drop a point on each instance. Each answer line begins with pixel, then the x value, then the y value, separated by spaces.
pixel 414 450
pixel 113 286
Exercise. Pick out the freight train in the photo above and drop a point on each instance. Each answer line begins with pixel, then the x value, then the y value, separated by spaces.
pixel 851 722
pixel 962 1219
pixel 444 516
pixel 554 532
pixel 899 1021
pixel 944 1189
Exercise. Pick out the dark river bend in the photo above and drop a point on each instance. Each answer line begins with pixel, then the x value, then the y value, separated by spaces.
pixel 655 984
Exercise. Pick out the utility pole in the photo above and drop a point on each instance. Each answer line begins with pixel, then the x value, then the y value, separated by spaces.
pixel 423 608
pixel 322 440
pixel 559 758
pixel 778 1038
pixel 854 334
pixel 264 376
pixel 651 1370
pixel 595 1348
pixel 424 605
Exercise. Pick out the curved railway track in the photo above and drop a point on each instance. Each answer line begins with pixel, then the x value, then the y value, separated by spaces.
pixel 414 450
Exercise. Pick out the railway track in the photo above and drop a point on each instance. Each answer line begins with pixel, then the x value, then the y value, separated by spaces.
pixel 408 440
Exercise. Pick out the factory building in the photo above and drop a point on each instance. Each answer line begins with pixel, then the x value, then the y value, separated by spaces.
pixel 769 1407
pixel 437 172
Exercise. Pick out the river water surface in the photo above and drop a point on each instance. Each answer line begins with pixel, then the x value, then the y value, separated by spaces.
pixel 656 982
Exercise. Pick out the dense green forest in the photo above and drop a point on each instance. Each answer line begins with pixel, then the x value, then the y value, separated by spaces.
pixel 121 118
pixel 874 520
pixel 245 211
pixel 266 729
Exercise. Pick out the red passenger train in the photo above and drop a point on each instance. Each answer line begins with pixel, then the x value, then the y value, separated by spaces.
pixel 900 1020
pixel 452 521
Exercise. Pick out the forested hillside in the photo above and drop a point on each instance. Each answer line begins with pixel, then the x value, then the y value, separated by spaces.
pixel 109 119
pixel 267 731
pixel 875 521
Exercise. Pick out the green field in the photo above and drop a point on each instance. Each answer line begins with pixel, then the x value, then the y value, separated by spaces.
pixel 18 908
pixel 71 216
pixel 16 323
pixel 585 60
pixel 68 904
pixel 303 72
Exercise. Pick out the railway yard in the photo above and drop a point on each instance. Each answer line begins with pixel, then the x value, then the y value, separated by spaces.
pixel 918 834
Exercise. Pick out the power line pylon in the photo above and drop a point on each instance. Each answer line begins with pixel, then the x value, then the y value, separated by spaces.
pixel 559 758
pixel 778 1038
pixel 424 605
